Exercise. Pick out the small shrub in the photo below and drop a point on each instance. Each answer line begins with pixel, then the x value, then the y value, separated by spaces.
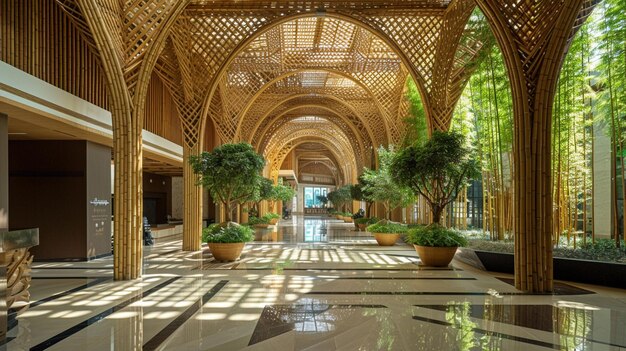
pixel 366 220
pixel 435 236
pixel 257 220
pixel 271 215
pixel 231 233
pixel 389 227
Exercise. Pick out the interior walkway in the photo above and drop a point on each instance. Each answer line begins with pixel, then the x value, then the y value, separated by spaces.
pixel 315 284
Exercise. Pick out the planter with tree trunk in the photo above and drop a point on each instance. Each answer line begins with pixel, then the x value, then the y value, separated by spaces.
pixel 231 174
pixel 435 245
pixel 227 240
pixel 380 187
pixel 437 170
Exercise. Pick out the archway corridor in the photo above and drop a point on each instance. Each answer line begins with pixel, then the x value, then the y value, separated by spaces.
pixel 110 112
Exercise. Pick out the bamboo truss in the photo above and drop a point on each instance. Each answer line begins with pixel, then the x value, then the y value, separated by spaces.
pixel 288 75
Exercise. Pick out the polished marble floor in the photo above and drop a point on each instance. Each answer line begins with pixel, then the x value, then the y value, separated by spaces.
pixel 310 284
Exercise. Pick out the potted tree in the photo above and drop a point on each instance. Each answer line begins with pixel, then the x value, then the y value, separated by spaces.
pixel 226 240
pixel 231 174
pixel 386 232
pixel 363 222
pixel 380 187
pixel 280 192
pixel 436 170
pixel 435 245
pixel 339 197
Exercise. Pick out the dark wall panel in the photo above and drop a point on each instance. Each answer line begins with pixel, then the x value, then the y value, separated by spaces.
pixel 47 188
pixel 98 200
pixel 64 189
pixel 157 195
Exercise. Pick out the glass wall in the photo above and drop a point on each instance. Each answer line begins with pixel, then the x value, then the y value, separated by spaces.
pixel 311 194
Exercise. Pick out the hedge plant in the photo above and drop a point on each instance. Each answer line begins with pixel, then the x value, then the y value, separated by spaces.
pixel 435 235
pixel 231 233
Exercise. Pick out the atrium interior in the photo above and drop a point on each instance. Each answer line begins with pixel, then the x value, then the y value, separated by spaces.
pixel 291 175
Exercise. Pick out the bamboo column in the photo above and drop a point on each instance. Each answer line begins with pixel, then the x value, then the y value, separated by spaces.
pixel 192 202
pixel 127 55
pixel 533 37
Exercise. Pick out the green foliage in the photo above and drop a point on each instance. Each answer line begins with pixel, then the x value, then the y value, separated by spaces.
pixel 230 172
pixel 230 233
pixel 323 200
pixel 435 235
pixel 265 190
pixel 436 169
pixel 366 220
pixel 603 250
pixel 416 128
pixel 258 220
pixel 380 187
pixel 388 227
pixel 281 192
pixel 271 215
pixel 340 197
pixel 356 192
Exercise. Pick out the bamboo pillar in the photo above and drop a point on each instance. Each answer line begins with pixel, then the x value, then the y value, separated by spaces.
pixel 127 74
pixel 192 202
pixel 533 37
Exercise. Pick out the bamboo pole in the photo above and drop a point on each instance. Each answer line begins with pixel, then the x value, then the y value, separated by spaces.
pixel 192 202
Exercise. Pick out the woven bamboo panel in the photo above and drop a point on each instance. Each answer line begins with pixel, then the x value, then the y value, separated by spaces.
pixel 324 130
pixel 353 134
pixel 38 38
pixel 287 139
pixel 346 167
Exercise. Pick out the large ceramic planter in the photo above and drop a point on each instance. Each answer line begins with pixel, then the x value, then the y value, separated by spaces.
pixel 435 256
pixel 273 221
pixel 347 219
pixel 386 239
pixel 226 252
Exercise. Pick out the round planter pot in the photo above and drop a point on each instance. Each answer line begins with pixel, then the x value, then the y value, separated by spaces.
pixel 362 226
pixel 338 217
pixel 226 252
pixel 435 256
pixel 386 239
pixel 273 221
pixel 347 219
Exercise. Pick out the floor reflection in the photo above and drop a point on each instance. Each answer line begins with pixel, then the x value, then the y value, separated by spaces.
pixel 573 324
pixel 310 230
pixel 312 320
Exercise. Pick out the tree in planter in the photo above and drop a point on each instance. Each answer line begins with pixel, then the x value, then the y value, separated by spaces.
pixel 323 200
pixel 227 172
pixel 281 192
pixel 360 193
pixel 340 197
pixel 380 187
pixel 264 191
pixel 436 169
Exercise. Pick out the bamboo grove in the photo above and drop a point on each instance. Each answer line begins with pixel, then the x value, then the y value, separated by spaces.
pixel 589 105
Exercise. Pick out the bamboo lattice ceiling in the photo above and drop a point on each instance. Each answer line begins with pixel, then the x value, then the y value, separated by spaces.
pixel 242 63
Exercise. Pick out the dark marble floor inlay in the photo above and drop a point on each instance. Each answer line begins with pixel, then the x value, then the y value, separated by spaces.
pixel 548 318
pixel 309 317
pixel 165 333
pixel 559 288
pixel 84 324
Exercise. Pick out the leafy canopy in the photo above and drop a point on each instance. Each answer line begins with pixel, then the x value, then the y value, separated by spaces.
pixel 379 185
pixel 227 172
pixel 436 169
